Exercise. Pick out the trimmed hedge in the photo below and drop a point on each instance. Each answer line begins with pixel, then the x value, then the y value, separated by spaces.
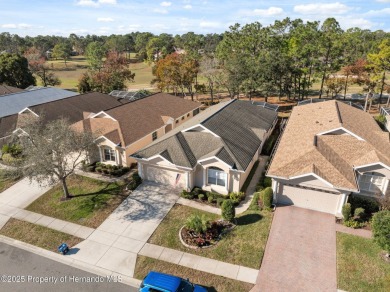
pixel 267 197
pixel 228 210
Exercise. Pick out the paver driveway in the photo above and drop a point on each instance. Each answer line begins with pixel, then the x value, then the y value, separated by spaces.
pixel 301 252
pixel 115 243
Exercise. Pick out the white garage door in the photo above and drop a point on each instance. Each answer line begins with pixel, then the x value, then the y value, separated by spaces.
pixel 166 177
pixel 308 198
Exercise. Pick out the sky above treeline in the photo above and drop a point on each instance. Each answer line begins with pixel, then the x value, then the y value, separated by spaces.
pixel 105 17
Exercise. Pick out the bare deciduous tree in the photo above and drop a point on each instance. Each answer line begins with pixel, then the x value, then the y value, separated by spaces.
pixel 53 151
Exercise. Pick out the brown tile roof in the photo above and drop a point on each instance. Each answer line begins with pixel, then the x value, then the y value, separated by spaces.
pixel 302 150
pixel 74 108
pixel 106 127
pixel 142 117
pixel 5 89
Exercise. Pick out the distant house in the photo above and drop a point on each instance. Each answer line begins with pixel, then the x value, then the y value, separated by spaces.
pixel 328 151
pixel 127 128
pixel 214 151
pixel 74 108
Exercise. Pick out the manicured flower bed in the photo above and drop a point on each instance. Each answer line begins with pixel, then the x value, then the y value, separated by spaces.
pixel 208 238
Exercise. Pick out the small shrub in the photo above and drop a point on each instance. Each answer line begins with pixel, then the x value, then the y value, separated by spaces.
pixel 90 168
pixel 220 201
pixel 354 224
pixel 5 149
pixel 10 160
pixel 136 180
pixel 15 150
pixel 385 202
pixel 105 170
pixel 267 182
pixel 267 197
pixel 346 211
pixel 237 197
pixel 368 204
pixel 186 195
pixel 255 202
pixel 359 213
pixel 197 223
pixel 99 164
pixel 381 229
pixel 125 169
pixel 98 169
pixel 210 199
pixel 228 210
pixel 201 197
pixel 197 191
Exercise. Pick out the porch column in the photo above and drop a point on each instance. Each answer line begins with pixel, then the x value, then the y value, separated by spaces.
pixel 386 186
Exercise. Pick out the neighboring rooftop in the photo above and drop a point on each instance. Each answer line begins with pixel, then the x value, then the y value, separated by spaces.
pixel 231 131
pixel 15 102
pixel 315 100
pixel 5 89
pixel 329 139
pixel 74 108
pixel 139 118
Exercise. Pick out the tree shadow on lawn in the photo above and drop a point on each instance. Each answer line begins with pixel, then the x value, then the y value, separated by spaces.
pixel 116 191
pixel 249 219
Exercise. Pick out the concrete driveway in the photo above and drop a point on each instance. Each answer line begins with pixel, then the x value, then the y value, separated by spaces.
pixel 115 243
pixel 301 252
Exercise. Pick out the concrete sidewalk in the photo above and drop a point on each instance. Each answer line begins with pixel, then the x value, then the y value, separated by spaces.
pixel 199 263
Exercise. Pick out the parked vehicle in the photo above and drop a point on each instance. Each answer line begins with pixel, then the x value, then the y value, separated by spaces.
pixel 160 282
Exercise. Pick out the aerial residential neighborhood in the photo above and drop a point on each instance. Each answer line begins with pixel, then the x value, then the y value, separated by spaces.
pixel 194 146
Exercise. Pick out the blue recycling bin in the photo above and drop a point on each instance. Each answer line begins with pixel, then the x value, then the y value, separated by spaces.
pixel 63 248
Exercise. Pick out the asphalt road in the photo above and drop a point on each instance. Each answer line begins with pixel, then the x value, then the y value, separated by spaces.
pixel 21 270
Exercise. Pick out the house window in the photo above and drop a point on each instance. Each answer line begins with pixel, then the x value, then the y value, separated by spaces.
pixel 109 154
pixel 195 112
pixel 371 182
pixel 216 176
pixel 154 136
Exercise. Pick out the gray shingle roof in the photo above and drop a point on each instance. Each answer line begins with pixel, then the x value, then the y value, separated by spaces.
pixel 239 126
pixel 13 103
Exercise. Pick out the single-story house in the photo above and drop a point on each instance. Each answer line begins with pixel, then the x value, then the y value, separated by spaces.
pixel 214 150
pixel 75 108
pixel 127 128
pixel 328 151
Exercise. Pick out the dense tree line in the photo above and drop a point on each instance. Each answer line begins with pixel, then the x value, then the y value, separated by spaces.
pixel 285 58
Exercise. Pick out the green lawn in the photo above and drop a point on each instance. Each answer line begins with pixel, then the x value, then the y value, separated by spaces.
pixel 92 203
pixel 243 246
pixel 7 179
pixel 37 235
pixel 77 65
pixel 212 282
pixel 360 266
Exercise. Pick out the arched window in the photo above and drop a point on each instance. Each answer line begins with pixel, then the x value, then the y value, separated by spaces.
pixel 371 181
pixel 216 176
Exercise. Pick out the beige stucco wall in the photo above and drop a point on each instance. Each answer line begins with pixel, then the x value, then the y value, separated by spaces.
pixel 119 152
pixel 145 141
pixel 141 143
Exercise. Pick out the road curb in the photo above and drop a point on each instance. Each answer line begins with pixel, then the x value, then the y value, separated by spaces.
pixel 68 261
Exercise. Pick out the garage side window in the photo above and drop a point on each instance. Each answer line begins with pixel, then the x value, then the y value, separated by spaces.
pixel 371 182
pixel 216 176
pixel 109 154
